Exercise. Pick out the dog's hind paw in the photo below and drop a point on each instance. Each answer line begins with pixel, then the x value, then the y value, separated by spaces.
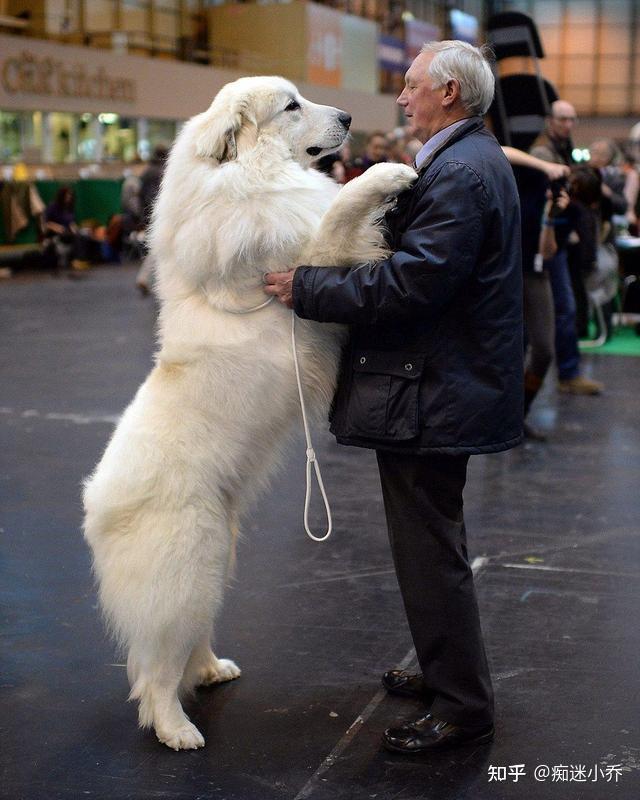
pixel 186 737
pixel 219 671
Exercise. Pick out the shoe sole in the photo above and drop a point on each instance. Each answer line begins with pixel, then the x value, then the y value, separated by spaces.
pixel 484 739
pixel 414 694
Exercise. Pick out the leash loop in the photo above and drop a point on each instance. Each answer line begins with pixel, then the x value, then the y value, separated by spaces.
pixel 311 455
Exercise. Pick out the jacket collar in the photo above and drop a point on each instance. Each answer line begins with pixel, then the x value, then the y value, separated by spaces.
pixel 470 126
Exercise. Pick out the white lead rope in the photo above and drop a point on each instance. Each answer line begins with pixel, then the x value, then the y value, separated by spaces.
pixel 311 455
pixel 248 310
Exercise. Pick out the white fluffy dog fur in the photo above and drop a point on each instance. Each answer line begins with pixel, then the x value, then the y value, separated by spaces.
pixel 204 431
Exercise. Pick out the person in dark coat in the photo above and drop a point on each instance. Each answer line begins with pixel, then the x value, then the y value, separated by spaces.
pixel 150 182
pixel 433 373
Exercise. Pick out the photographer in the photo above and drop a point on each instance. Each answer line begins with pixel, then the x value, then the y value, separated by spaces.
pixel 592 211
pixel 557 148
pixel 539 209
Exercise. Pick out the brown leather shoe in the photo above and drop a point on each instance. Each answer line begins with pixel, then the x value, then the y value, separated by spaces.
pixel 533 434
pixel 430 733
pixel 404 684
pixel 581 385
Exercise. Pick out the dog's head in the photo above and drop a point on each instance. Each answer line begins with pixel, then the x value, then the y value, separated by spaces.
pixel 250 110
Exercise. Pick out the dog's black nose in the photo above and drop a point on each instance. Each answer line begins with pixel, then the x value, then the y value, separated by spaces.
pixel 345 119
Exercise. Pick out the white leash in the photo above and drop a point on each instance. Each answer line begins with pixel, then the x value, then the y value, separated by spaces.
pixel 248 310
pixel 311 455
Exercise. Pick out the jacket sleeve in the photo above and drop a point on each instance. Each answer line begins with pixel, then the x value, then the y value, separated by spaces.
pixel 436 254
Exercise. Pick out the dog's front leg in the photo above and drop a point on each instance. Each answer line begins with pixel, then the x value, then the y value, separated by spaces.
pixel 350 230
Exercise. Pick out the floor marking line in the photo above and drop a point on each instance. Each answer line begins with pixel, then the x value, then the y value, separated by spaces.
pixel 77 419
pixel 356 726
pixel 350 734
pixel 331 579
pixel 576 570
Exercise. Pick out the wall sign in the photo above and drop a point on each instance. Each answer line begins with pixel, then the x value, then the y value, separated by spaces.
pixel 28 74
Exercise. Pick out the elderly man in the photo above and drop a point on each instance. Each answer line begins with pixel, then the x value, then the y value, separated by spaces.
pixel 433 374
pixel 557 146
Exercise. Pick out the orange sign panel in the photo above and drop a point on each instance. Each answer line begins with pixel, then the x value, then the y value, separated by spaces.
pixel 324 45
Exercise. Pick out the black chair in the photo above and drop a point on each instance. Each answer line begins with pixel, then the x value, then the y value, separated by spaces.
pixel 521 102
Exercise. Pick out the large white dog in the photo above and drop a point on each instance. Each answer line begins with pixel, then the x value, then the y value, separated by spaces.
pixel 198 442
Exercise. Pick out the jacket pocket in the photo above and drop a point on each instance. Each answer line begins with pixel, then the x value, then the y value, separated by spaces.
pixel 383 401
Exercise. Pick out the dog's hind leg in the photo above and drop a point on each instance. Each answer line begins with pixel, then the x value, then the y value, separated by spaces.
pixel 171 616
pixel 205 668
pixel 156 688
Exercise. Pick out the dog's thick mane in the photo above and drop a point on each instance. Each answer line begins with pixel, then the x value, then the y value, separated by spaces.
pixel 246 207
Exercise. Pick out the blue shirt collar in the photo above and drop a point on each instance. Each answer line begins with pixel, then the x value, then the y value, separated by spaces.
pixel 432 144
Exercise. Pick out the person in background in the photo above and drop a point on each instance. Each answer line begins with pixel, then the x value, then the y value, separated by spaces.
pixel 333 166
pixel 64 243
pixel 130 203
pixel 604 156
pixel 376 151
pixel 631 191
pixel 396 144
pixel 150 181
pixel 557 146
pixel 592 212
pixel 538 210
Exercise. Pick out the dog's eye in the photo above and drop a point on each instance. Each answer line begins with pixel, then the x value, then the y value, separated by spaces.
pixel 294 105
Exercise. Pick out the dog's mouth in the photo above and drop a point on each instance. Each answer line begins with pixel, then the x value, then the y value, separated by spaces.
pixel 314 151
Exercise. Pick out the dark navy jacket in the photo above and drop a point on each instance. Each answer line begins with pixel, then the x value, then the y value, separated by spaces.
pixel 435 358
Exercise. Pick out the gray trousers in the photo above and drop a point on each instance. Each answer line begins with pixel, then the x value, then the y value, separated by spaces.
pixel 423 505
pixel 539 320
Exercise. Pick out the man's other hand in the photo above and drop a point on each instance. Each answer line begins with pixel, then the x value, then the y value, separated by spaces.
pixel 279 284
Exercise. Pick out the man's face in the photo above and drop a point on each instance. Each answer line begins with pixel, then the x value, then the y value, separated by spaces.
pixel 600 155
pixel 422 105
pixel 563 118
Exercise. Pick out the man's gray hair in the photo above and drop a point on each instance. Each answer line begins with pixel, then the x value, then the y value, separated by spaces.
pixel 461 61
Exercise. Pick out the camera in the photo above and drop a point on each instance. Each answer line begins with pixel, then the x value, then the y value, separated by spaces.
pixel 557 186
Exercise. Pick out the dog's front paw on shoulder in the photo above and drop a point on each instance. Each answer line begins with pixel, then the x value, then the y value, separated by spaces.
pixel 382 181
pixel 219 671
pixel 393 178
pixel 186 737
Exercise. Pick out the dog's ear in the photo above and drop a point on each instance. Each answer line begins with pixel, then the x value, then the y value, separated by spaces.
pixel 221 125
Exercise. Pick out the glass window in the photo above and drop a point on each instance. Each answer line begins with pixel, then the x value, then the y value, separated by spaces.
pixel 549 11
pixel 617 12
pixel 88 138
pixel 118 137
pixel 578 70
pixel 550 37
pixel 62 129
pixel 161 131
pixel 10 136
pixel 612 100
pixel 580 11
pixel 615 40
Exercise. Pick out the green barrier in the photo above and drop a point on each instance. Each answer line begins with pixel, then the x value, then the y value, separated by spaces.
pixel 96 199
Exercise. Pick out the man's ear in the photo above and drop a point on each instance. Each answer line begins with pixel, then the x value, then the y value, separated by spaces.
pixel 451 93
pixel 220 126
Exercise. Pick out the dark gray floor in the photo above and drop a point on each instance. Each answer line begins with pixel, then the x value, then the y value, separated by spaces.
pixel 312 625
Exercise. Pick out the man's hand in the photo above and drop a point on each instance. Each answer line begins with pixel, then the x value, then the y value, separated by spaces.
pixel 556 171
pixel 279 284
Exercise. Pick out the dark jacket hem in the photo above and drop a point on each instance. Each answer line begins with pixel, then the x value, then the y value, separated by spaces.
pixel 414 449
